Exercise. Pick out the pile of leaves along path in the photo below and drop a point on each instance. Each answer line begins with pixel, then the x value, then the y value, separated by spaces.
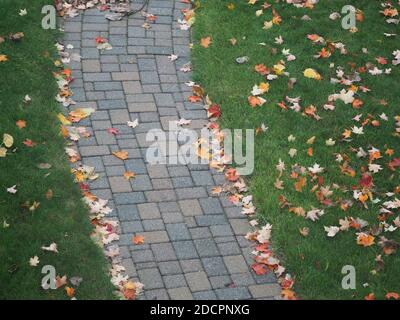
pixel 323 102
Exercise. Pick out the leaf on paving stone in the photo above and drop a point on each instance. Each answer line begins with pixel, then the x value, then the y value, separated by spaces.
pixel 123 155
pixel 129 175
pixel 138 239
pixel 133 124
pixel 259 268
pixel 80 113
pixel 113 131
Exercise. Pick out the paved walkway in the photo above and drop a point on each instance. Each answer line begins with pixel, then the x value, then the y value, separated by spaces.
pixel 194 242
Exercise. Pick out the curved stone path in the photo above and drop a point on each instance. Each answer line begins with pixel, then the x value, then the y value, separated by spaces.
pixel 194 242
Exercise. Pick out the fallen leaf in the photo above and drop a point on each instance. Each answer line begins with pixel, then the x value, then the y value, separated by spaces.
pixel 123 155
pixel 205 42
pixel 138 240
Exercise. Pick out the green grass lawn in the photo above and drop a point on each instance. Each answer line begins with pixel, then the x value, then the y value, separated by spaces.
pixel 63 218
pixel 316 261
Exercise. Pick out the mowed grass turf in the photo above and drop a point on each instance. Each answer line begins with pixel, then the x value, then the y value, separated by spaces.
pixel 63 219
pixel 315 261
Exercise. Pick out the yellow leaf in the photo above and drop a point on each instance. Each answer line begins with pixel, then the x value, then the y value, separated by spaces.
pixel 312 74
pixel 3 152
pixel 8 140
pixel 63 120
pixel 3 58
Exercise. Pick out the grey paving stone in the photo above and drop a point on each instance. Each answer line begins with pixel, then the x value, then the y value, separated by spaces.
pixel 172 217
pixel 131 226
pixel 205 295
pixel 182 182
pixel 200 233
pixel 240 293
pixel 141 183
pixel 190 207
pixel 197 281
pixel 221 231
pixel 240 226
pixel 211 205
pixel 169 267
pixel 219 282
pixel 191 193
pixel 155 236
pixel 182 293
pixel 128 212
pixel 119 184
pixel 242 279
pixel 209 220
pixel 142 256
pixel 174 281
pixel 153 225
pixel 91 66
pixel 214 266
pixel 151 277
pixel 185 249
pixel 163 252
pixel 149 211
pixel 229 248
pixel 206 247
pixel 157 294
pixel 129 198
pixel 265 290
pixel 202 178
pixel 178 231
pixel 236 264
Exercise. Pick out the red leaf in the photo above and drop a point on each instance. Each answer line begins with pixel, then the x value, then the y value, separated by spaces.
pixel 29 143
pixel 394 163
pixel 366 181
pixel 259 269
pixel 113 131
pixel 214 111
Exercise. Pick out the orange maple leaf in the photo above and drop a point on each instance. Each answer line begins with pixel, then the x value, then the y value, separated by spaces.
pixel 129 175
pixel 138 239
pixel 205 42
pixel 123 155
pixel 365 240
pixel 70 291
pixel 21 124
